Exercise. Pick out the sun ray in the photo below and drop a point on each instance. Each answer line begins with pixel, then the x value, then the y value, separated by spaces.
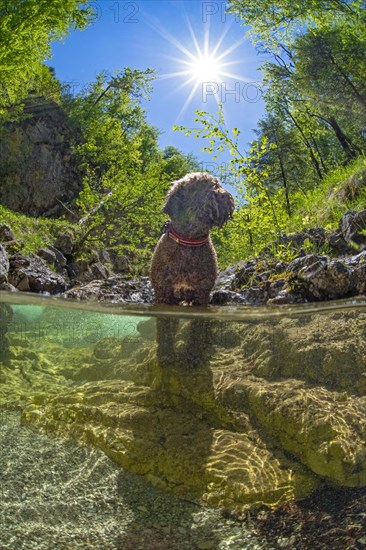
pixel 187 102
pixel 221 39
pixel 229 50
pixel 237 77
pixel 177 59
pixel 207 38
pixel 200 61
pixel 169 37
pixel 187 83
pixel 173 75
pixel 184 84
pixel 228 63
pixel 194 38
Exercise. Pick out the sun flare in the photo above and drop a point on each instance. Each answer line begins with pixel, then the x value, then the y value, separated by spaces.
pixel 205 68
pixel 201 63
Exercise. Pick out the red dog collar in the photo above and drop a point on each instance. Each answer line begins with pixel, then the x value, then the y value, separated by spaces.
pixel 185 241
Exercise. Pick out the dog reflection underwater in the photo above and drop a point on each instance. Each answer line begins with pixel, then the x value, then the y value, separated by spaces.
pixel 184 264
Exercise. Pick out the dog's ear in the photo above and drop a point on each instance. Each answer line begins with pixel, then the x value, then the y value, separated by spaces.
pixel 172 202
pixel 211 207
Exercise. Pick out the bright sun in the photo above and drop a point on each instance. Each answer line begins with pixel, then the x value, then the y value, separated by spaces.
pixel 200 63
pixel 205 68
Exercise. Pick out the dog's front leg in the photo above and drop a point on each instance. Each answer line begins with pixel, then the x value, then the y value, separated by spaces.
pixel 166 331
pixel 199 344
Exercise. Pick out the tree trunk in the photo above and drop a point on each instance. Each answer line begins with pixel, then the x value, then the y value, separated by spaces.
pixel 307 143
pixel 316 147
pixel 360 98
pixel 250 234
pixel 348 147
pixel 342 138
pixel 284 177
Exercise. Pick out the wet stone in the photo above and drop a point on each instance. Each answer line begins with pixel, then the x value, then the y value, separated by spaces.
pixel 4 265
pixel 6 233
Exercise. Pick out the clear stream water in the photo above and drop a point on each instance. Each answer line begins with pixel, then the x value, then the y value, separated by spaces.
pixel 94 394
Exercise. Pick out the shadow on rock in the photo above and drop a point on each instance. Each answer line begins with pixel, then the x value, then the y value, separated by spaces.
pixel 187 344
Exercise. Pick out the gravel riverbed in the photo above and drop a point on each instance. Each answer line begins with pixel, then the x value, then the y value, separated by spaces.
pixel 57 494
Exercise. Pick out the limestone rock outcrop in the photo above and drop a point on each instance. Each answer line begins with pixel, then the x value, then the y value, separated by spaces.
pixel 353 228
pixel 307 278
pixel 38 169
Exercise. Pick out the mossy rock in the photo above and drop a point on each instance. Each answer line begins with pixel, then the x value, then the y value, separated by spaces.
pixel 176 444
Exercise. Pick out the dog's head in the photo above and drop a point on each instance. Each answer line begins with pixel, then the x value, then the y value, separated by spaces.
pixel 197 202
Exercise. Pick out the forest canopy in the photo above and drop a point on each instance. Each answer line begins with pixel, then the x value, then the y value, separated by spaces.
pixel 27 30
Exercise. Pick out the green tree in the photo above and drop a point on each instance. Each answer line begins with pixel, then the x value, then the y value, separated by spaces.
pixel 120 158
pixel 314 88
pixel 27 29
pixel 262 214
pixel 331 72
pixel 126 175
pixel 177 164
pixel 276 22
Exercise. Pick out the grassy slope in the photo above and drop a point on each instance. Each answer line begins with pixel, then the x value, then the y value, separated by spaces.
pixel 326 204
pixel 34 232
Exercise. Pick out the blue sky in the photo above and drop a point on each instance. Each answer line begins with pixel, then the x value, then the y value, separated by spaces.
pixel 156 34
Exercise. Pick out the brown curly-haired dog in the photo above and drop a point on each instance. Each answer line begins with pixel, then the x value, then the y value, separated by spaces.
pixel 184 265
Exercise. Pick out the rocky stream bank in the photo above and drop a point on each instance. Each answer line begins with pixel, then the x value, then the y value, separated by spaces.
pixel 316 266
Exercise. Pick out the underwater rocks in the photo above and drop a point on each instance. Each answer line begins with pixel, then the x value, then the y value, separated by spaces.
pixel 167 427
pixel 273 408
pixel 325 430
pixel 173 441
